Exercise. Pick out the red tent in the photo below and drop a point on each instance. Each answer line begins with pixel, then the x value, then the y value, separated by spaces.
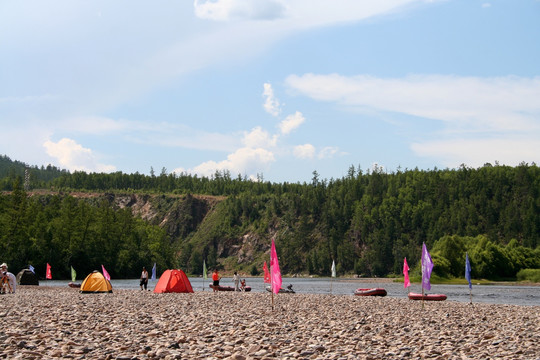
pixel 173 281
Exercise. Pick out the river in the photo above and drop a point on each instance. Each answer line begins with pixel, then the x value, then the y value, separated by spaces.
pixel 494 294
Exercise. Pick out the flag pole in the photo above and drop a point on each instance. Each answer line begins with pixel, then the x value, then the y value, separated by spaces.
pixel 272 286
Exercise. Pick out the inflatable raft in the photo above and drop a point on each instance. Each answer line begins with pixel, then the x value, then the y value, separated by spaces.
pixel 370 292
pixel 428 297
pixel 288 290
pixel 228 288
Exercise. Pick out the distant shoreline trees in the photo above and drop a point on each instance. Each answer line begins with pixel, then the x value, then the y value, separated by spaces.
pixel 367 222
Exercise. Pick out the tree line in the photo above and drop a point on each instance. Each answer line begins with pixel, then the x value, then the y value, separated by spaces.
pixel 367 221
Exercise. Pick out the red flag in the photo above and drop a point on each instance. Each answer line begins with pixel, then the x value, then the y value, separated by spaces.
pixel 275 273
pixel 48 272
pixel 266 273
pixel 105 273
pixel 406 281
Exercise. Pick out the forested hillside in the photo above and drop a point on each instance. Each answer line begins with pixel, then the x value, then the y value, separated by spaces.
pixel 367 221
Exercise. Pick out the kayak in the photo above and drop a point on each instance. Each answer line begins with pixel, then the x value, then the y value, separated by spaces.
pixel 429 297
pixel 228 288
pixel 289 290
pixel 370 292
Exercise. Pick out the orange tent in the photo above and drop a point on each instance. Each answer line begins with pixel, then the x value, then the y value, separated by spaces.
pixel 173 281
pixel 96 283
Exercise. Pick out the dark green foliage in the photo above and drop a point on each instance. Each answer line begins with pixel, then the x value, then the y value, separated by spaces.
pixel 64 231
pixel 366 222
pixel 532 275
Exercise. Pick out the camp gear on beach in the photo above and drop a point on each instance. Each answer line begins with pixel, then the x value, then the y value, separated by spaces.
pixel 27 277
pixel 173 281
pixel 370 292
pixel 95 282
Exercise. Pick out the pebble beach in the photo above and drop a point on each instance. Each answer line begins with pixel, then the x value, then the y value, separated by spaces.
pixel 50 323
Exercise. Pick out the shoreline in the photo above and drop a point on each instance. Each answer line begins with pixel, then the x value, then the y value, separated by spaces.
pixel 50 322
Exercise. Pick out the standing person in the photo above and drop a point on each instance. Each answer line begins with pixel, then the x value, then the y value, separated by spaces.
pixel 236 279
pixel 215 279
pixel 144 278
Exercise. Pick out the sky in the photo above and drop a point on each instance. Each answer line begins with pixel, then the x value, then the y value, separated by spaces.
pixel 271 89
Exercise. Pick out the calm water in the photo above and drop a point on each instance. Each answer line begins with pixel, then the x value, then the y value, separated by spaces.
pixel 495 294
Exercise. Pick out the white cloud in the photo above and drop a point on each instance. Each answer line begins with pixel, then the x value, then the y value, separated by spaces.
pixel 328 152
pixel 239 9
pixel 479 109
pixel 306 151
pixel 244 161
pixel 259 138
pixel 271 104
pixel 291 122
pixel 74 157
pixel 476 152
pixel 486 5
pixel 503 103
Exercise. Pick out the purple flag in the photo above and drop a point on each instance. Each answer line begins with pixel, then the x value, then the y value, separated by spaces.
pixel 427 267
pixel 105 273
pixel 275 273
pixel 468 270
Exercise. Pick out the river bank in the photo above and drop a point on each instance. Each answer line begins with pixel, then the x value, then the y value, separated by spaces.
pixel 44 322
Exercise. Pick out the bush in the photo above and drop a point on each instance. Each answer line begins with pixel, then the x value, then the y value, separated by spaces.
pixel 529 275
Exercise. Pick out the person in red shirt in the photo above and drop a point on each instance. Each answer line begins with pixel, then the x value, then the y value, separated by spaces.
pixel 215 279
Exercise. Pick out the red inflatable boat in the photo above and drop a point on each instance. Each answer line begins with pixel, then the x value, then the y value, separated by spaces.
pixel 429 297
pixel 370 292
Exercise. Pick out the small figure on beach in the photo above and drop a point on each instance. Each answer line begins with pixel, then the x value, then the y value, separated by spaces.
pixel 236 279
pixel 243 285
pixel 215 279
pixel 8 282
pixel 144 279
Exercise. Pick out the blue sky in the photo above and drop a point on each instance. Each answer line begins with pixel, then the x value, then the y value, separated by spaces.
pixel 278 88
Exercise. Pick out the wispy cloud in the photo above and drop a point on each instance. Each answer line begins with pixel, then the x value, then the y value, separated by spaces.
pixel 291 122
pixel 271 104
pixel 260 148
pixel 481 110
pixel 223 10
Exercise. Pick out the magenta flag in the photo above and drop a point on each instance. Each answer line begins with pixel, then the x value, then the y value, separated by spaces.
pixel 427 267
pixel 406 281
pixel 105 273
pixel 275 273
pixel 48 272
pixel 266 273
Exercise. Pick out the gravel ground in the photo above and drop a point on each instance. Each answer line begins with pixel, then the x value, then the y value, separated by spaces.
pixel 46 322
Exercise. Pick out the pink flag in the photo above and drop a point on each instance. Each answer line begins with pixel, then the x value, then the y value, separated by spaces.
pixel 406 281
pixel 105 273
pixel 266 273
pixel 48 272
pixel 275 273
